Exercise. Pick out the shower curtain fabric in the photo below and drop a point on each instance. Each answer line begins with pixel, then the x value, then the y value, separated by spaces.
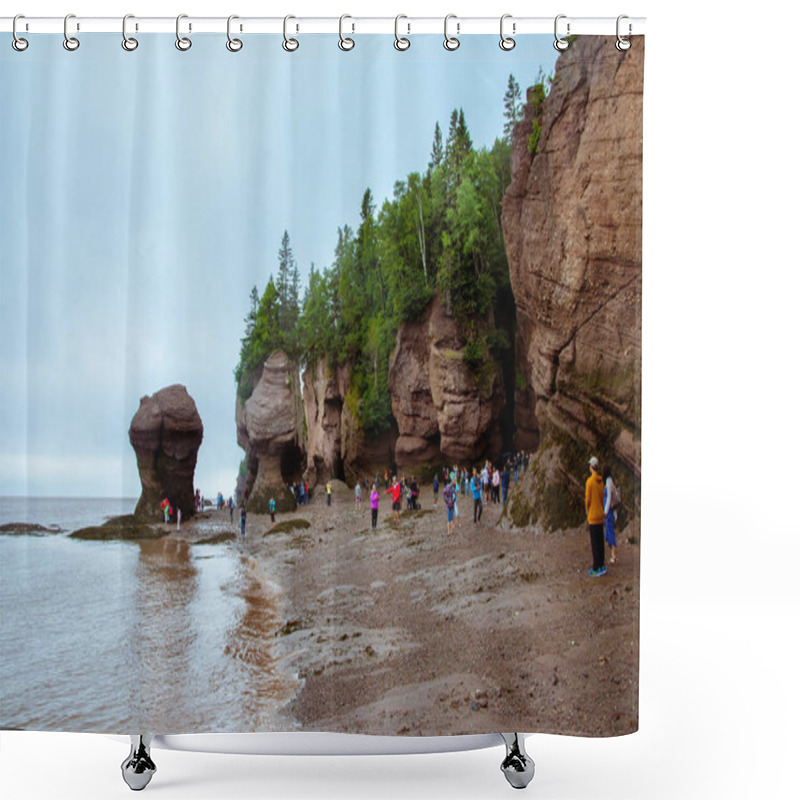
pixel 321 386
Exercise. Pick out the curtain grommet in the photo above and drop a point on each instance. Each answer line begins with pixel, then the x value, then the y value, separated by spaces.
pixel 451 43
pixel 18 43
pixel 70 43
pixel 234 45
pixel 623 43
pixel 507 43
pixel 401 43
pixel 345 42
pixel 183 43
pixel 128 42
pixel 289 44
pixel 560 43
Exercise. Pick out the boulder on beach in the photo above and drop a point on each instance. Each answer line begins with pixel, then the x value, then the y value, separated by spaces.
pixel 166 433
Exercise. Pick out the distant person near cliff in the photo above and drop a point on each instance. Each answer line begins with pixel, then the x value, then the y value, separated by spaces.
pixel 396 491
pixel 449 495
pixel 328 490
pixel 596 518
pixel 243 518
pixel 477 499
pixel 272 509
pixel 358 495
pixel 374 499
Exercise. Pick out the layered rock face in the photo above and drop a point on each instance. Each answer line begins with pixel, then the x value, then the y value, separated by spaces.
pixel 324 390
pixel 443 407
pixel 572 221
pixel 269 428
pixel 166 433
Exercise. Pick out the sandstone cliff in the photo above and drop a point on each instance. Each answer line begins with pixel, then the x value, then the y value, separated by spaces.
pixel 166 433
pixel 269 428
pixel 445 409
pixel 324 390
pixel 572 224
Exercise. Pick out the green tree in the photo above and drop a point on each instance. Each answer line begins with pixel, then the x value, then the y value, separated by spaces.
pixel 512 107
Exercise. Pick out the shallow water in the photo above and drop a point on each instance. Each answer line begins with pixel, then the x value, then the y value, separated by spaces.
pixel 125 637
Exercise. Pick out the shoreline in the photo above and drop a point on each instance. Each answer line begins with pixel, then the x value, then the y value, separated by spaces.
pixel 408 631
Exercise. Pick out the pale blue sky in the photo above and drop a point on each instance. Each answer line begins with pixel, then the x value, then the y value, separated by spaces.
pixel 143 194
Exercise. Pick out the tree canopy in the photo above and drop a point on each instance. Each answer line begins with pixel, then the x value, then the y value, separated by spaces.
pixel 440 232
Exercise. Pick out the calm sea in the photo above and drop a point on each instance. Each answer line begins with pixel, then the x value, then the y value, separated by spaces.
pixel 123 637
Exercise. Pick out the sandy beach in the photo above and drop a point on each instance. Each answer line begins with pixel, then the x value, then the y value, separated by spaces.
pixel 406 630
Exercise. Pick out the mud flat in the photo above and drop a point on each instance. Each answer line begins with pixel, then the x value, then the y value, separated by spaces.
pixel 404 630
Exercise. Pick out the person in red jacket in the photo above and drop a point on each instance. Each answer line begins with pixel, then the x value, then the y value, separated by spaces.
pixel 596 518
pixel 396 491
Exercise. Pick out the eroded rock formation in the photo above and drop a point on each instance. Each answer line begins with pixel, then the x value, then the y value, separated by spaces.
pixel 324 390
pixel 269 428
pixel 444 408
pixel 166 433
pixel 572 222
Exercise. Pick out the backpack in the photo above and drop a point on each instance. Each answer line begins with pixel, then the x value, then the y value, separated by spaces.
pixel 616 496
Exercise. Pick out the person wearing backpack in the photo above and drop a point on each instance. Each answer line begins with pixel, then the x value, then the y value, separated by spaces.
pixel 612 497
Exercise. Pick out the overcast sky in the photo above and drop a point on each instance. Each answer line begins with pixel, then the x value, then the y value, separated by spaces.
pixel 143 194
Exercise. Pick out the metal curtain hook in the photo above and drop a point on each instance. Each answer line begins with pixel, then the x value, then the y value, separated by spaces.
pixel 451 42
pixel 181 42
pixel 18 43
pixel 128 42
pixel 70 42
pixel 234 45
pixel 623 42
pixel 290 45
pixel 507 42
pixel 400 42
pixel 345 43
pixel 560 43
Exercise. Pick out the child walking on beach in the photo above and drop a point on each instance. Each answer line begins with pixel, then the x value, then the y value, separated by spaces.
pixel 358 495
pixel 374 499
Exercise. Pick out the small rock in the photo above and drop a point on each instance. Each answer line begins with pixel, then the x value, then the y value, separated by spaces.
pixel 474 706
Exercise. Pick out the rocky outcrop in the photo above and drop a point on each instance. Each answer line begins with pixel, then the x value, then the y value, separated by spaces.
pixel 364 455
pixel 269 428
pixel 166 433
pixel 572 222
pixel 324 390
pixel 445 408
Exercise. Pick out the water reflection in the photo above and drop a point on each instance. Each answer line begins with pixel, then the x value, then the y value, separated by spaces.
pixel 151 636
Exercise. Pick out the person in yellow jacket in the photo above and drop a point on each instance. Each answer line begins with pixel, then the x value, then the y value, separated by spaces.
pixel 596 518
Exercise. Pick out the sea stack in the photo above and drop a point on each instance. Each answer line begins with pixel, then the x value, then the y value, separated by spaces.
pixel 166 433
pixel 269 428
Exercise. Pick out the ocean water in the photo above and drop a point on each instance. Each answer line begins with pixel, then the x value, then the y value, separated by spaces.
pixel 126 637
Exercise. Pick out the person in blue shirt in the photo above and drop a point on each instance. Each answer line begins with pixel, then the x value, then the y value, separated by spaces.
pixel 505 479
pixel 477 498
pixel 272 509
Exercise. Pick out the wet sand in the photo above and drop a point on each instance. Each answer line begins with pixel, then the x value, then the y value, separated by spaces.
pixel 405 630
